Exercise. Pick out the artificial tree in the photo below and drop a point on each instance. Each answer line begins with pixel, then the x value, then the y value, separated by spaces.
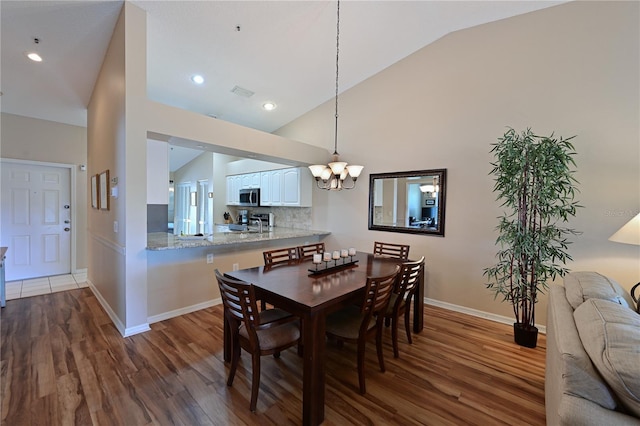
pixel 534 182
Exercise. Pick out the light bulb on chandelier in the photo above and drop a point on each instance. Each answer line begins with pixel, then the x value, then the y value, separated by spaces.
pixel 332 176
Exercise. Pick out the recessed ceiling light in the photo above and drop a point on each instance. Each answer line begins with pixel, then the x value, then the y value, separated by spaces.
pixel 269 106
pixel 34 57
pixel 197 79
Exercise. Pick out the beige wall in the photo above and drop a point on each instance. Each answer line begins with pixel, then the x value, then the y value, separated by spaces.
pixel 571 69
pixel 31 139
pixel 117 141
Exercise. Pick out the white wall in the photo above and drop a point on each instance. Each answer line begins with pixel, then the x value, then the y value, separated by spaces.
pixel 571 69
pixel 157 172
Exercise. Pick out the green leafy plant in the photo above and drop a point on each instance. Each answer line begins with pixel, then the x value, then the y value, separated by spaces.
pixel 534 180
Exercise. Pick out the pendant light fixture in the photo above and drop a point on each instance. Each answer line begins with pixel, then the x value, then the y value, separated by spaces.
pixel 332 176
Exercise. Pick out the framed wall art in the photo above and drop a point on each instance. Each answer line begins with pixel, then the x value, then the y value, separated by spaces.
pixel 103 190
pixel 95 198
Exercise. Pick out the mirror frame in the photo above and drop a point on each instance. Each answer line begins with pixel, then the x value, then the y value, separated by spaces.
pixel 442 179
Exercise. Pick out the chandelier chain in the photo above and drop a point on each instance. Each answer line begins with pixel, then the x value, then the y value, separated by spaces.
pixel 335 137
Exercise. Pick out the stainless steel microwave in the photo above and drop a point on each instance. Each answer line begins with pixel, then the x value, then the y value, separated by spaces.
pixel 249 197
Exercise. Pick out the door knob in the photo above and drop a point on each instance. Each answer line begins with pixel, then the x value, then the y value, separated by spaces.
pixel 67 229
pixel 66 206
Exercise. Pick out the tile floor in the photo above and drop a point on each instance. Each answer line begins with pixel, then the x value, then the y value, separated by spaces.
pixel 45 285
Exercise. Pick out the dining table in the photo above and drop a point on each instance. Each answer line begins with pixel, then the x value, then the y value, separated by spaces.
pixel 299 289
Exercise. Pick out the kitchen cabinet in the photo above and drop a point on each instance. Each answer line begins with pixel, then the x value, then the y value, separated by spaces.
pixel 234 183
pixel 296 187
pixel 237 182
pixel 250 181
pixel 271 188
pixel 283 187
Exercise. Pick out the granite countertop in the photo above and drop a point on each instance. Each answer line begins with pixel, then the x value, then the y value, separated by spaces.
pixel 166 241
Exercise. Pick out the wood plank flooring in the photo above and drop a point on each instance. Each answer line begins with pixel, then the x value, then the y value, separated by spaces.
pixel 64 363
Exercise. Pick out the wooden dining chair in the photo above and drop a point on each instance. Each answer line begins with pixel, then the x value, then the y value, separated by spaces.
pixel 284 256
pixel 355 324
pixel 306 252
pixel 279 257
pixel 396 251
pixel 400 300
pixel 259 333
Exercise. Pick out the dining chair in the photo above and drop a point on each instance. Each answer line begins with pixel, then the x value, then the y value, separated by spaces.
pixel 284 256
pixel 306 252
pixel 259 333
pixel 400 300
pixel 279 257
pixel 397 251
pixel 355 324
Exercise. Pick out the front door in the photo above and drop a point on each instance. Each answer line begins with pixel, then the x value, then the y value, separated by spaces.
pixel 36 215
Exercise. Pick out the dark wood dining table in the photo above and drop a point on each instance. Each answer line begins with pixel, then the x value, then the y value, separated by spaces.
pixel 311 297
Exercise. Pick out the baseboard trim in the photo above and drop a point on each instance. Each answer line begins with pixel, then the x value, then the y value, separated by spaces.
pixel 126 332
pixel 476 313
pixel 182 311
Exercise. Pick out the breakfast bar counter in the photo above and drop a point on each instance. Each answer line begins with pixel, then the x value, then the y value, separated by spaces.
pixel 166 241
pixel 180 269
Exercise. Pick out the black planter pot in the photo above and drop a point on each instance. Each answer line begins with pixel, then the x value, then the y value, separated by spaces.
pixel 525 336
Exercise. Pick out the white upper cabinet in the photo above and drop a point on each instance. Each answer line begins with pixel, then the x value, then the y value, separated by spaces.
pixel 265 189
pixel 271 188
pixel 296 187
pixel 275 188
pixel 234 183
pixel 283 187
pixel 250 181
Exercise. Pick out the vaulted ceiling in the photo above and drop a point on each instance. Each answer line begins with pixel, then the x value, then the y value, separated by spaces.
pixel 281 51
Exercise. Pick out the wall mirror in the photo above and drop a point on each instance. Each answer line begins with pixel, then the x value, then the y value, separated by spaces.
pixel 411 202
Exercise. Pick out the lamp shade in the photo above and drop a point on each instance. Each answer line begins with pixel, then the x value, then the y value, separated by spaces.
pixel 317 169
pixel 355 170
pixel 629 233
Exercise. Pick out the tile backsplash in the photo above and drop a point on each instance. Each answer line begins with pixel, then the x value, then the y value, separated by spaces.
pixel 285 217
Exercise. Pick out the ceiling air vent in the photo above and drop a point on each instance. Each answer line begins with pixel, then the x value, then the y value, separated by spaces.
pixel 242 92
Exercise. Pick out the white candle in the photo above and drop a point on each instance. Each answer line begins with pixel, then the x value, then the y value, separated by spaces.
pixel 327 256
pixel 352 251
pixel 344 253
pixel 336 254
pixel 317 258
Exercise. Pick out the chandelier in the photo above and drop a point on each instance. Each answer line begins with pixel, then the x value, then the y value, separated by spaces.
pixel 332 176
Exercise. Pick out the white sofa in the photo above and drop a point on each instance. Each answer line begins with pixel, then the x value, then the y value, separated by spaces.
pixel 593 353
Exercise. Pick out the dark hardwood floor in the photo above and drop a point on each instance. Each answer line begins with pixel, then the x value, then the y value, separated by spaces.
pixel 64 363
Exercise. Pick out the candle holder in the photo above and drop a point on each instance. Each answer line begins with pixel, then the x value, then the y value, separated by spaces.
pixel 352 252
pixel 317 259
pixel 327 257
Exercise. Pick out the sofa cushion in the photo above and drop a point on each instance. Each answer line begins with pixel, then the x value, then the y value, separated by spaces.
pixel 610 334
pixel 568 364
pixel 583 285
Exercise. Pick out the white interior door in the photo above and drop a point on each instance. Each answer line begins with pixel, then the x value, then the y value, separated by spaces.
pixel 203 206
pixel 182 194
pixel 36 216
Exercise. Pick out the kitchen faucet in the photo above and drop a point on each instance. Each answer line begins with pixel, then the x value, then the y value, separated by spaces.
pixel 257 219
